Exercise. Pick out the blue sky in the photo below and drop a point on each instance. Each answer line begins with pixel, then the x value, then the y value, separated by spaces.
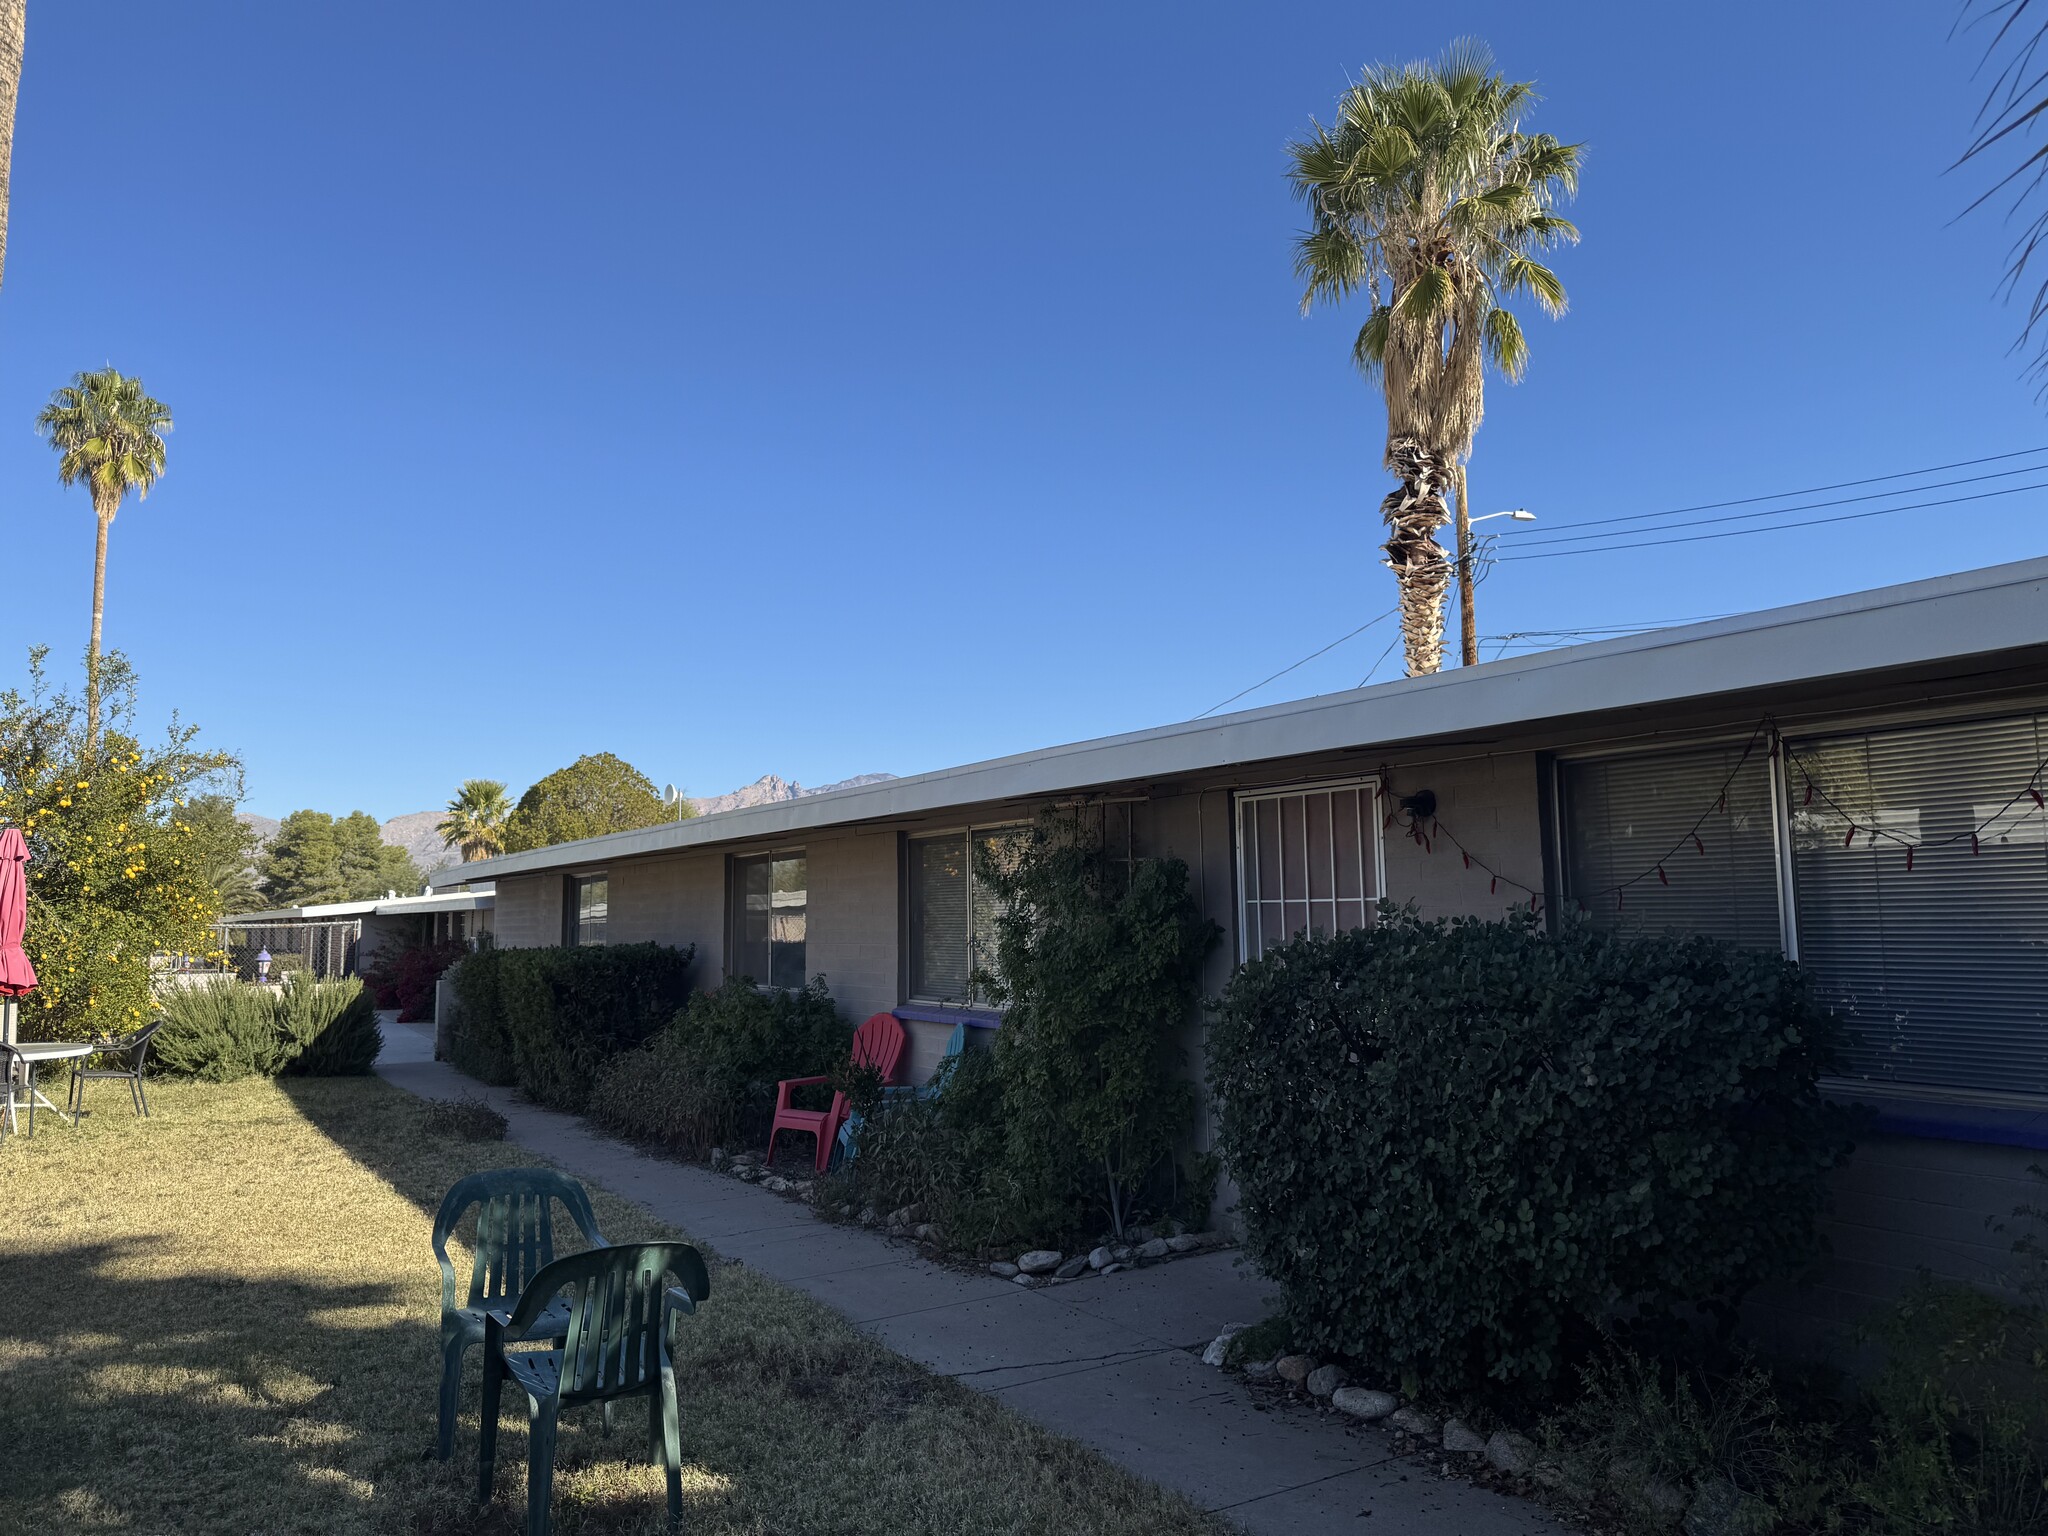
pixel 817 389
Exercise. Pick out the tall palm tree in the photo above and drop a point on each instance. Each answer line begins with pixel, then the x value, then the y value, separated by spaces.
pixel 13 35
pixel 110 434
pixel 1426 195
pixel 475 822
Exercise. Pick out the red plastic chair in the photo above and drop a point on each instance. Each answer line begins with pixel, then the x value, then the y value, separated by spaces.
pixel 878 1044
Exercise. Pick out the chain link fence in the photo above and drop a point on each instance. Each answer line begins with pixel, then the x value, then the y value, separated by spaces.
pixel 323 949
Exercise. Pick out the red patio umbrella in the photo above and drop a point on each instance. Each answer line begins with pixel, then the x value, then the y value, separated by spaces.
pixel 16 974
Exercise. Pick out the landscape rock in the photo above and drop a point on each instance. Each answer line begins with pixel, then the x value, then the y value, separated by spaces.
pixel 1294 1369
pixel 1220 1345
pixel 1325 1379
pixel 1462 1439
pixel 922 1231
pixel 1364 1403
pixel 803 1188
pixel 718 1159
pixel 1039 1261
pixel 1509 1452
pixel 1123 1253
pixel 1027 1281
pixel 746 1172
pixel 1140 1234
pixel 1184 1243
pixel 846 1210
pixel 867 1216
pixel 909 1216
pixel 1259 1370
pixel 1100 1258
pixel 1156 1248
pixel 776 1185
pixel 1073 1269
pixel 1415 1422
pixel 1002 1269
pixel 1110 1269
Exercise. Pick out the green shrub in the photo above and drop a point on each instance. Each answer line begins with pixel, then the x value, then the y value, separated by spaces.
pixel 1462 1146
pixel 226 1030
pixel 220 1031
pixel 549 1019
pixel 480 1044
pixel 329 1028
pixel 1097 967
pixel 709 1078
pixel 467 1117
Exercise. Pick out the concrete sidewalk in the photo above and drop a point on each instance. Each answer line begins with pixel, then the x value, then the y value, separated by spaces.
pixel 1113 1363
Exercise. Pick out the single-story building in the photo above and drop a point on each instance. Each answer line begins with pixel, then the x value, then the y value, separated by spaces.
pixel 338 938
pixel 1856 782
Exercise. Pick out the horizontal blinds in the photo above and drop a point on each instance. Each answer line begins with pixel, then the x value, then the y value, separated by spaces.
pixel 1624 817
pixel 752 956
pixel 1940 971
pixel 939 961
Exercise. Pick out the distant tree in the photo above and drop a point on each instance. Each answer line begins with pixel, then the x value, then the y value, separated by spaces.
pixel 594 795
pixel 475 823
pixel 13 34
pixel 109 434
pixel 1426 196
pixel 223 848
pixel 316 857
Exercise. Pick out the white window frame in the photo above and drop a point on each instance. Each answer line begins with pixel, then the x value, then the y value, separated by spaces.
pixel 1371 835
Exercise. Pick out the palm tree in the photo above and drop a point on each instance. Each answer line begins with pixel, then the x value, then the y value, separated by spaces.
pixel 109 434
pixel 1426 195
pixel 13 34
pixel 475 822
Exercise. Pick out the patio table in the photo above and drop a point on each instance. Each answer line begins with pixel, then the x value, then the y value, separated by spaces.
pixel 31 1054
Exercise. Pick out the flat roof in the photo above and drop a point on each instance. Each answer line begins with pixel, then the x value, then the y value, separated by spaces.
pixel 1940 619
pixel 383 906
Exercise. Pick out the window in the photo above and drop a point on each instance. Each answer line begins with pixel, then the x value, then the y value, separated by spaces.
pixel 1626 816
pixel 586 904
pixel 1942 969
pixel 952 919
pixel 1308 860
pixel 770 899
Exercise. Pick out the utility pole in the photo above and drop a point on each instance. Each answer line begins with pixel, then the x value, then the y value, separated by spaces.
pixel 1468 624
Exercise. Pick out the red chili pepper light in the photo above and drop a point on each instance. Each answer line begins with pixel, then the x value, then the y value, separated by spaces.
pixel 1661 876
pixel 1851 837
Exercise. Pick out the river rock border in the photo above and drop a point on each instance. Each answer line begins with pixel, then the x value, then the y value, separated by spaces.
pixel 1032 1268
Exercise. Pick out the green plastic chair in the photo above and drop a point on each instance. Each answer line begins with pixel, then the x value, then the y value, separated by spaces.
pixel 620 1312
pixel 515 1240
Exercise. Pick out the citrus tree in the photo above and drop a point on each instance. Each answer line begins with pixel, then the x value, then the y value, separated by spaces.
pixel 116 879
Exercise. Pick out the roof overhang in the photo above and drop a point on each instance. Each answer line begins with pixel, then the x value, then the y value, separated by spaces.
pixel 1946 619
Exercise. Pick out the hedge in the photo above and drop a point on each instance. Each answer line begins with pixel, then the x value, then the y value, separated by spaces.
pixel 227 1030
pixel 549 1019
pixel 708 1079
pixel 1464 1147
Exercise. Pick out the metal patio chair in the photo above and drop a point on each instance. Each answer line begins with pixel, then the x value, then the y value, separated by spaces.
pixel 133 1046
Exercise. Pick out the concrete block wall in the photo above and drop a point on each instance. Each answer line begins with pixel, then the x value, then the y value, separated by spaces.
pixel 1492 806
pixel 678 900
pixel 851 940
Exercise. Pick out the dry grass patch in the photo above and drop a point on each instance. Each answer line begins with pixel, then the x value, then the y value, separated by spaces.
pixel 225 1318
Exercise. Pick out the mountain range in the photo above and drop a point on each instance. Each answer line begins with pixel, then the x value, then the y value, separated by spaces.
pixel 414 831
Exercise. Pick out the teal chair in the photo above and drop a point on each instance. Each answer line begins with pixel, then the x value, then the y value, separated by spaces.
pixel 515 1240
pixel 616 1344
pixel 956 1043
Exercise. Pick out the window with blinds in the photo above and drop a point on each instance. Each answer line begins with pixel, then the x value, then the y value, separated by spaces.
pixel 1940 971
pixel 1623 817
pixel 586 909
pixel 771 917
pixel 1308 861
pixel 952 916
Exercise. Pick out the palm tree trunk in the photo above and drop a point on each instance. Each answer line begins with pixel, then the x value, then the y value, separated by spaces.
pixel 1414 511
pixel 92 650
pixel 13 35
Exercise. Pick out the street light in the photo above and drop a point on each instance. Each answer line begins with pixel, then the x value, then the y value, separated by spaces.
pixel 1468 624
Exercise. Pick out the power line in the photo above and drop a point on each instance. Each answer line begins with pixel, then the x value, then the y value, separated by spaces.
pixel 1815 490
pixel 1312 655
pixel 1812 522
pixel 1740 517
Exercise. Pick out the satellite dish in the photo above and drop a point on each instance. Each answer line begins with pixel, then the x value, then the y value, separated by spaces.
pixel 668 794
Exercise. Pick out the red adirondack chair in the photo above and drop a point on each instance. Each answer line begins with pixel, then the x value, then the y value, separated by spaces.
pixel 878 1044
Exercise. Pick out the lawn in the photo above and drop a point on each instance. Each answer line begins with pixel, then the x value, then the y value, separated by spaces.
pixel 224 1319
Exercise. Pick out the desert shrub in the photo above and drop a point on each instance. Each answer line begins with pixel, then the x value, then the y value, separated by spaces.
pixel 327 1028
pixel 467 1117
pixel 220 1031
pixel 549 1019
pixel 480 1043
pixel 942 1150
pixel 404 978
pixel 709 1078
pixel 226 1030
pixel 1461 1146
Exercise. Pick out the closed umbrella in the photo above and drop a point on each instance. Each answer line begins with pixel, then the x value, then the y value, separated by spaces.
pixel 16 974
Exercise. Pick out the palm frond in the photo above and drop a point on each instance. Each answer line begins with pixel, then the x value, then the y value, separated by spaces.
pixel 1522 274
pixel 1369 351
pixel 1505 347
